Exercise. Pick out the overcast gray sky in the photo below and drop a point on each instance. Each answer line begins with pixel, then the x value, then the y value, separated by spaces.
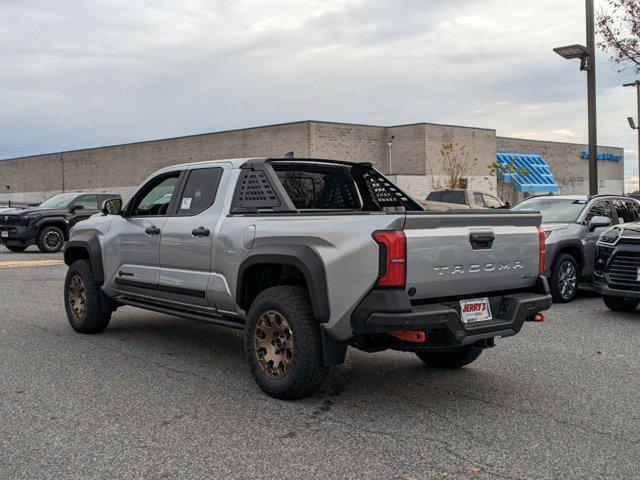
pixel 80 73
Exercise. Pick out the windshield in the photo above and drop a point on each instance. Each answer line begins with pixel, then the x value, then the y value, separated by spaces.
pixel 560 210
pixel 59 201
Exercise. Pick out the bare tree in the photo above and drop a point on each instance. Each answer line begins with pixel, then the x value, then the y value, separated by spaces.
pixel 619 28
pixel 505 174
pixel 455 163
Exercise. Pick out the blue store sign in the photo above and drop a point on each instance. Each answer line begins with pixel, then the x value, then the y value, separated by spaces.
pixel 604 156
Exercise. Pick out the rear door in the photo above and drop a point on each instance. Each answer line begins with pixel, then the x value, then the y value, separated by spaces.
pixel 187 238
pixel 454 255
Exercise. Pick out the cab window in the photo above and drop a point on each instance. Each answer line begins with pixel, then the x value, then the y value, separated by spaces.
pixel 479 201
pixel 492 202
pixel 89 202
pixel 625 211
pixel 601 208
pixel 199 191
pixel 155 196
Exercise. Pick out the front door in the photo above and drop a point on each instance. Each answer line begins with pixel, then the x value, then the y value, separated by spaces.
pixel 138 250
pixel 187 238
pixel 82 208
pixel 600 208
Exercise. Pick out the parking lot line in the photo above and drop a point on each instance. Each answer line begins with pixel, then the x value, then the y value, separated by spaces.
pixel 31 263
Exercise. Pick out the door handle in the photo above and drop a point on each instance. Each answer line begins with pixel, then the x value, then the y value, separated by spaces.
pixel 153 230
pixel 200 232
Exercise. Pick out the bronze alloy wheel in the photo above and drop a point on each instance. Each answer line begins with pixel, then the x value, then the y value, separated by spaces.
pixel 52 240
pixel 77 297
pixel 273 344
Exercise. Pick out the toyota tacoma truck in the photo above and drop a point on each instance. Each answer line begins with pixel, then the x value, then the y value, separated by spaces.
pixel 308 257
pixel 47 225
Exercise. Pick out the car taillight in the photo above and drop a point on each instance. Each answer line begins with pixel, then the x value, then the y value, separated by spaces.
pixel 393 258
pixel 542 238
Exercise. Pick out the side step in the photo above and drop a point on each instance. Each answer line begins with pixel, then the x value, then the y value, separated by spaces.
pixel 200 317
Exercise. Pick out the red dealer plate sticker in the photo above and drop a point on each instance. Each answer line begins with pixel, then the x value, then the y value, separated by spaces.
pixel 477 310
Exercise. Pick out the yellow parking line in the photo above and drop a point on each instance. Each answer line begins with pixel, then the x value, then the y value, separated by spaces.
pixel 31 263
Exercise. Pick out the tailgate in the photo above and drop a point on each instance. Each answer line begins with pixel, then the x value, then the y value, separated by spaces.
pixel 463 254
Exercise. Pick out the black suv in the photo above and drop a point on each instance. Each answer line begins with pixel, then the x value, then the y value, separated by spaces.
pixel 617 268
pixel 48 224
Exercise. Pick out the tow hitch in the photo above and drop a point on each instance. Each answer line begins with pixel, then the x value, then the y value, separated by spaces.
pixel 410 336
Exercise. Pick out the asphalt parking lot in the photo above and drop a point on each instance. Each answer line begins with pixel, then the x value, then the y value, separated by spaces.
pixel 160 397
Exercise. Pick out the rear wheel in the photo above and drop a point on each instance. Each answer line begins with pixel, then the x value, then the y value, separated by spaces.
pixel 15 248
pixel 50 240
pixel 283 346
pixel 564 278
pixel 620 304
pixel 451 360
pixel 83 299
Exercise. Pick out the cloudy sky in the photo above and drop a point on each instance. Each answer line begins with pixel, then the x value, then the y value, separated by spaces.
pixel 80 73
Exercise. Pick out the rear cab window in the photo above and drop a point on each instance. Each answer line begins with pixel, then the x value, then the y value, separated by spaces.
pixel 454 197
pixel 199 191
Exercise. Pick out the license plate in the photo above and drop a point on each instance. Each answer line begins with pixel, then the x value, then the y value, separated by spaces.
pixel 5 234
pixel 477 310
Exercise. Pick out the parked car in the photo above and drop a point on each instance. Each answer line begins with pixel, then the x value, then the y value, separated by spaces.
pixel 308 257
pixel 466 198
pixel 572 225
pixel 48 224
pixel 617 267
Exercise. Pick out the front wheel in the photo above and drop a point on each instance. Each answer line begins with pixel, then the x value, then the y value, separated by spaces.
pixel 50 240
pixel 83 299
pixel 457 358
pixel 283 346
pixel 620 304
pixel 564 278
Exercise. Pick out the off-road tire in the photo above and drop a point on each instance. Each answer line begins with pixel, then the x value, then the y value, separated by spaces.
pixel 42 239
pixel 621 304
pixel 307 371
pixel 563 260
pixel 94 318
pixel 451 360
pixel 15 248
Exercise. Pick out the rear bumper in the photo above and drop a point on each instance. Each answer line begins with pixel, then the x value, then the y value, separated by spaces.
pixel 387 311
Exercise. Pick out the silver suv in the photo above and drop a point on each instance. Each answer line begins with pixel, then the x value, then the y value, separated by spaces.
pixel 308 257
pixel 572 225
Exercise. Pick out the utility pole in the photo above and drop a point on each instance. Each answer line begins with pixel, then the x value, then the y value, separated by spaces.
pixel 591 92
pixel 633 124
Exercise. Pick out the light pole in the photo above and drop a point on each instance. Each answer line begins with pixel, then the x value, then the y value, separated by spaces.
pixel 632 123
pixel 587 56
pixel 62 169
pixel 390 145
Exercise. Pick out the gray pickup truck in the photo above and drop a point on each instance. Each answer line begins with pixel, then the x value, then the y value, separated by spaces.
pixel 308 257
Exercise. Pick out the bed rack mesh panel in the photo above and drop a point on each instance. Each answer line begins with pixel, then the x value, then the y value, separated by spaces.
pixel 386 194
pixel 255 191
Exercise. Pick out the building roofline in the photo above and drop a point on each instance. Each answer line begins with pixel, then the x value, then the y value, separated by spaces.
pixel 556 142
pixel 284 124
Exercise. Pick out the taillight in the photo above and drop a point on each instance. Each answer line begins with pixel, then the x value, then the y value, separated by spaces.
pixel 393 258
pixel 542 238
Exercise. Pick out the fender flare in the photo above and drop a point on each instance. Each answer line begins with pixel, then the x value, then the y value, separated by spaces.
pixel 563 244
pixel 304 259
pixel 91 244
pixel 44 222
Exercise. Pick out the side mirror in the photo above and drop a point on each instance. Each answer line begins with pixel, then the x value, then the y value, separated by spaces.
pixel 599 221
pixel 76 207
pixel 112 206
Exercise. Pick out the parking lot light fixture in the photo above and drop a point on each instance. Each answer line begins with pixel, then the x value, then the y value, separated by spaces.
pixel 632 124
pixel 587 57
